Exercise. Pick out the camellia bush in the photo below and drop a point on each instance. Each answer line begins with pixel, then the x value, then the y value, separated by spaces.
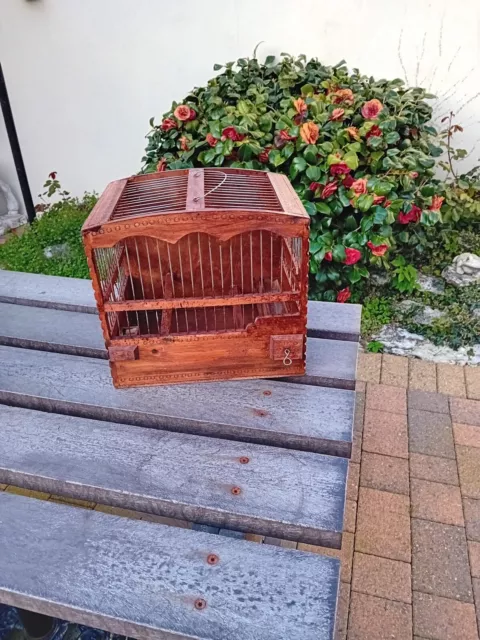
pixel 359 152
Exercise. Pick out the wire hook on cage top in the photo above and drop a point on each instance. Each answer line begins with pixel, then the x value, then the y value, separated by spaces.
pixel 220 184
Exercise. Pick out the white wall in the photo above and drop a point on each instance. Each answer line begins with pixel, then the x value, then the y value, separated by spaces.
pixel 85 76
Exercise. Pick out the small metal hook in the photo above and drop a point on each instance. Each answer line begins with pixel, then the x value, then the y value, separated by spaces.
pixel 287 361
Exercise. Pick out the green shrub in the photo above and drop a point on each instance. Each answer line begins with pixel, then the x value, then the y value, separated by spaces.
pixel 60 224
pixel 360 153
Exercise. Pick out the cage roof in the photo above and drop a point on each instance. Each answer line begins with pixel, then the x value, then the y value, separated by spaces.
pixel 195 190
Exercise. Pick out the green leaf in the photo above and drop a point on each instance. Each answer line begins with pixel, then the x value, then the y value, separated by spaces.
pixel 307 90
pixel 392 137
pixel 364 202
pixel 314 173
pixel 269 60
pixel 310 153
pixel 275 157
pixel 354 276
pixel 338 253
pixel 344 199
pixel 426 163
pixel 380 215
pixel 427 191
pixel 404 236
pixel 288 149
pixel 217 67
pixel 322 207
pixel 326 147
pixel 300 164
pixel 310 208
pixel 209 156
pixel 265 122
pixel 375 141
pixel 350 223
pixel 382 188
pixel 151 122
pixel 351 160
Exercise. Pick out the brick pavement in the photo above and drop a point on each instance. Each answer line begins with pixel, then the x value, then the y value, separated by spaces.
pixel 411 543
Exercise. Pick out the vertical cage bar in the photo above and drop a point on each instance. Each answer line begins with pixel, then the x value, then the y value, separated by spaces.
pixel 213 283
pixel 271 261
pixel 251 262
pixel 172 281
pixel 192 281
pixel 241 275
pixel 151 282
pixel 200 262
pixel 223 291
pixel 261 262
pixel 183 283
pixel 141 283
pixel 131 282
pixel 120 294
pixel 281 264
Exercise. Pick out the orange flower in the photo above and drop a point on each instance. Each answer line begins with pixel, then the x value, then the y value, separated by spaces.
pixel 212 141
pixel 437 202
pixel 182 112
pixel 337 114
pixel 360 186
pixel 184 143
pixel 343 95
pixel 353 133
pixel 300 106
pixel 309 132
pixel 162 165
pixel 372 109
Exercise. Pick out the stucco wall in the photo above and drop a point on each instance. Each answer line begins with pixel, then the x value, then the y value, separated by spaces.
pixel 85 76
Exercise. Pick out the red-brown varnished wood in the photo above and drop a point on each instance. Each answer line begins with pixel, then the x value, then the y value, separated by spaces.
pixel 200 274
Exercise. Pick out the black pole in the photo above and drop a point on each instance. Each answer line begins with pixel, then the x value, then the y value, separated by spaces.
pixel 15 147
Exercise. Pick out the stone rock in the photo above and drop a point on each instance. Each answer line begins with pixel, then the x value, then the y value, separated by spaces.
pixel 380 278
pixel 464 270
pixel 57 251
pixel 431 284
pixel 11 218
pixel 421 314
pixel 401 342
pixel 426 315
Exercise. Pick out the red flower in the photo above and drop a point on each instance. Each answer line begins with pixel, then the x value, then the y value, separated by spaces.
pixel 184 143
pixel 232 134
pixel 360 186
pixel 309 132
pixel 182 112
pixel 437 202
pixel 193 114
pixel 413 174
pixel 263 156
pixel 374 132
pixel 378 199
pixel 337 114
pixel 52 175
pixel 348 181
pixel 411 216
pixel 212 141
pixel 352 256
pixel 377 250
pixel 284 135
pixel 328 190
pixel 353 132
pixel 300 106
pixel 372 109
pixel 314 186
pixel 387 203
pixel 343 295
pixel 328 256
pixel 162 165
pixel 339 169
pixel 343 95
pixel 168 123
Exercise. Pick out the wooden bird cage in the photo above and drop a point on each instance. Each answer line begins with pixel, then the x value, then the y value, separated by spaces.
pixel 200 274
